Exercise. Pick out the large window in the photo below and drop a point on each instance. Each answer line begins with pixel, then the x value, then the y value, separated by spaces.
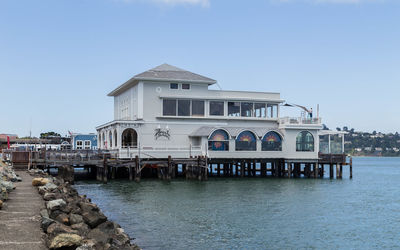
pixel 197 108
pixel 183 107
pixel 217 108
pixel 234 109
pixel 246 109
pixel 218 141
pixel 246 141
pixel 305 142
pixel 272 110
pixel 169 107
pixel 173 86
pixel 271 141
pixel 260 110
pixel 185 86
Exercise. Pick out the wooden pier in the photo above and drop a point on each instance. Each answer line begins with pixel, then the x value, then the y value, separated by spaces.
pixel 105 165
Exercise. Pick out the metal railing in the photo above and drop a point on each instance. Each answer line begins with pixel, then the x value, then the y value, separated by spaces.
pixel 299 120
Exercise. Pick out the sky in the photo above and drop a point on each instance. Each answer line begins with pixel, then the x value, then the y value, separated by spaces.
pixel 60 58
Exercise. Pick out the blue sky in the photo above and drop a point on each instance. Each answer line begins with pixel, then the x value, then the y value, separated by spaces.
pixel 59 58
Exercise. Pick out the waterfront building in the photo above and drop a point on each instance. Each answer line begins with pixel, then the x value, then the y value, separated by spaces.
pixel 168 111
pixel 83 141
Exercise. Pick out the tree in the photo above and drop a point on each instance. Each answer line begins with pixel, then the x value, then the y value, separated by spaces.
pixel 324 127
pixel 49 134
pixel 345 128
pixel 338 129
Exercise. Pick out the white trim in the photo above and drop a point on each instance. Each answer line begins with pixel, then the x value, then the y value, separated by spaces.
pixel 140 101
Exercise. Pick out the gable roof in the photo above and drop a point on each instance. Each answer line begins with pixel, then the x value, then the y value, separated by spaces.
pixel 164 72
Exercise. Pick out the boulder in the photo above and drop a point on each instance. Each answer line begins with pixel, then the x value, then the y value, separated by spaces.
pixel 39 181
pixel 3 193
pixel 49 196
pixel 102 233
pixel 63 218
pixel 48 187
pixel 57 228
pixel 46 222
pixel 92 215
pixel 7 185
pixel 82 228
pixel 63 241
pixel 75 219
pixel 56 204
pixel 1 204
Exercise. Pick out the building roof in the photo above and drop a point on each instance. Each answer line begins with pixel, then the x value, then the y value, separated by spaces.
pixel 164 72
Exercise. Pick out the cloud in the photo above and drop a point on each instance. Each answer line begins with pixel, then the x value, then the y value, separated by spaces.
pixel 202 3
pixel 329 1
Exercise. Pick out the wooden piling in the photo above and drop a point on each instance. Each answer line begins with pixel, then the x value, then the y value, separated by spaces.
pixel 351 168
pixel 331 171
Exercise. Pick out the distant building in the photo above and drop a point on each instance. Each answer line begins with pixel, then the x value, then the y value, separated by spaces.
pixel 84 141
pixel 11 136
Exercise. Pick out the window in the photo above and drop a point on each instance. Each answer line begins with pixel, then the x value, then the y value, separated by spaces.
pixel 79 144
pixel 234 109
pixel 217 108
pixel 88 144
pixel 271 141
pixel 218 141
pixel 173 86
pixel 185 86
pixel 305 142
pixel 246 109
pixel 272 110
pixel 197 108
pixel 169 107
pixel 246 141
pixel 183 107
pixel 260 110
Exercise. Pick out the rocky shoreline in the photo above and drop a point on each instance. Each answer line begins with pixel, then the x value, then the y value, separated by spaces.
pixel 71 221
pixel 7 177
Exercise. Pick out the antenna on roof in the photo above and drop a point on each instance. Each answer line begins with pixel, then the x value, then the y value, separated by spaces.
pixel 218 86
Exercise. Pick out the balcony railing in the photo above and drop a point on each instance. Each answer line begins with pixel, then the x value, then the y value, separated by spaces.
pixel 299 121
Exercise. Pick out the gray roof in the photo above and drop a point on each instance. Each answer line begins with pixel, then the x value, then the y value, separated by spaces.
pixel 233 131
pixel 165 72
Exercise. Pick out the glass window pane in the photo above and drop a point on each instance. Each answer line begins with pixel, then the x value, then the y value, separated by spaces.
pixel 234 109
pixel 260 110
pixel 246 109
pixel 183 107
pixel 216 108
pixel 197 108
pixel 173 86
pixel 185 86
pixel 246 141
pixel 169 107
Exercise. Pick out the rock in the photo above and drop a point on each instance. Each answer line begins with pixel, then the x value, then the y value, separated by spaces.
pixel 3 193
pixel 65 241
pixel 44 213
pixel 49 196
pixel 39 181
pixel 75 218
pixel 56 204
pixel 48 187
pixel 82 228
pixel 58 228
pixel 1 204
pixel 63 218
pixel 7 185
pixel 46 222
pixel 102 233
pixel 91 214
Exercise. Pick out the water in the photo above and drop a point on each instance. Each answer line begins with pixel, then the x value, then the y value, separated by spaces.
pixel 363 213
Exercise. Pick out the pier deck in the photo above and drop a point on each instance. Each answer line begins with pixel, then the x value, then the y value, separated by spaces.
pixel 103 165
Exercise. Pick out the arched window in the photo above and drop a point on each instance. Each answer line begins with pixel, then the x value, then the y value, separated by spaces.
pixel 218 141
pixel 129 138
pixel 305 142
pixel 246 141
pixel 115 138
pixel 271 141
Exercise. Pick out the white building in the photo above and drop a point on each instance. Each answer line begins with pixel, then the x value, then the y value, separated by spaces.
pixel 169 111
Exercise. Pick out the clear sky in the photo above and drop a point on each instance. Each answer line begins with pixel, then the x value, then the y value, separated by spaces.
pixel 59 58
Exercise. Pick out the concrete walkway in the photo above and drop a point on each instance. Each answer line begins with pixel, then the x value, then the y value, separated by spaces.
pixel 20 218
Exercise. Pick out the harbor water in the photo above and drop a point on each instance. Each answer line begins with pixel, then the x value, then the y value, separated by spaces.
pixel 259 213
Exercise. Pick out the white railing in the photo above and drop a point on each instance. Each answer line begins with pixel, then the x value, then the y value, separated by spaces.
pixel 149 151
pixel 299 120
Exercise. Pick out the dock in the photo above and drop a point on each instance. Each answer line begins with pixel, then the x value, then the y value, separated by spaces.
pixel 104 165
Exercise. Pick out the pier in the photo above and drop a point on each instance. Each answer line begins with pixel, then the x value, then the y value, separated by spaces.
pixel 104 165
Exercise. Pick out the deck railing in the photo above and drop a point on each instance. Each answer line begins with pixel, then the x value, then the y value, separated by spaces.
pixel 299 120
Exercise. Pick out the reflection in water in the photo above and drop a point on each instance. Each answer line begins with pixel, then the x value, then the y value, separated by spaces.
pixel 259 213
